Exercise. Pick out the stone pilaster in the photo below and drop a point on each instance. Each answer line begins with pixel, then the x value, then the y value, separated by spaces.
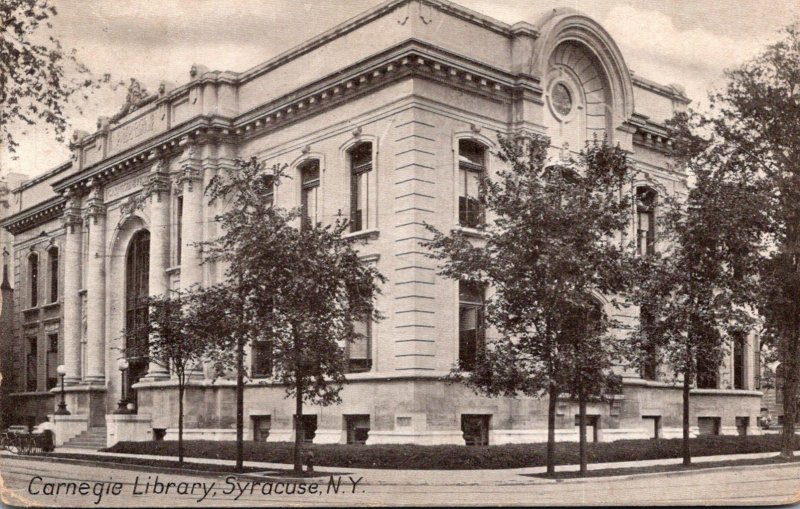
pixel 190 179
pixel 73 234
pixel 157 191
pixel 95 286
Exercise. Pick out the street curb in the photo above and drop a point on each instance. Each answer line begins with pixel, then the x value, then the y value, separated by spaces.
pixel 673 473
pixel 531 478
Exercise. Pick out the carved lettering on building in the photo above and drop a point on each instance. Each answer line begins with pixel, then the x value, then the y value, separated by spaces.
pixel 126 187
pixel 133 131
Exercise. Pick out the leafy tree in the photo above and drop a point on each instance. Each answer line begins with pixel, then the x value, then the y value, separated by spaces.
pixel 554 239
pixel 694 291
pixel 180 335
pixel 749 143
pixel 37 76
pixel 755 130
pixel 300 287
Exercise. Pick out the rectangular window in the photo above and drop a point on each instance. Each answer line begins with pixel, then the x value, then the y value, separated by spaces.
pixel 649 367
pixel 738 361
pixel 309 428
pixel 360 171
pixel 32 365
pixel 269 193
pixel 359 351
pixel 475 428
pixel 653 422
pixel 471 167
pixel 262 359
pixel 592 425
pixel 53 275
pixel 742 423
pixel 178 229
pixel 470 323
pixel 261 426
pixel 708 425
pixel 309 200
pixel 33 279
pixel 357 428
pixel 645 224
pixel 52 360
pixel 707 374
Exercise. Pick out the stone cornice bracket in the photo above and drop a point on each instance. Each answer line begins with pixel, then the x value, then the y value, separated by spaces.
pixel 189 167
pixel 94 205
pixel 158 182
pixel 71 218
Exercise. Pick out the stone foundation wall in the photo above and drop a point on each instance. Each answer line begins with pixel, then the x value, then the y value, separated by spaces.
pixel 429 411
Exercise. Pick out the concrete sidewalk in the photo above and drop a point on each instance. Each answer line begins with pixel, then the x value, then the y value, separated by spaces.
pixel 492 477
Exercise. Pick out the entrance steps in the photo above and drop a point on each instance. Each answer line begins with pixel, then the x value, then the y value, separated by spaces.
pixel 94 438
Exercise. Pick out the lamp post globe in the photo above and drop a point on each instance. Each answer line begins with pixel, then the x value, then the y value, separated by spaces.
pixel 62 405
pixel 122 406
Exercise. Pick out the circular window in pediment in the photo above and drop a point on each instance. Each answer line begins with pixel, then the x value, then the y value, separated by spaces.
pixel 561 99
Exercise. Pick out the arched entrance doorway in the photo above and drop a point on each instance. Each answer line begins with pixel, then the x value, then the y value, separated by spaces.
pixel 137 273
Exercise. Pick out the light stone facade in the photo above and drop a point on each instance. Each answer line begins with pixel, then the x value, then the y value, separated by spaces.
pixel 412 78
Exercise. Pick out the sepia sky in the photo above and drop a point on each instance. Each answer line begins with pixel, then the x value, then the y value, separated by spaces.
pixel 688 42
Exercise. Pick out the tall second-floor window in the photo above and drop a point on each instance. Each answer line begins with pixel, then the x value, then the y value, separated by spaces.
pixel 360 171
pixel 359 351
pixel 52 360
pixel 645 221
pixel 470 323
pixel 262 359
pixel 309 191
pixel 178 229
pixel 53 254
pixel 471 167
pixel 32 367
pixel 33 279
pixel 269 191
pixel 739 343
pixel 649 366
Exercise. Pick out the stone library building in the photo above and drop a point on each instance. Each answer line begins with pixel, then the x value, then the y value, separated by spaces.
pixel 389 116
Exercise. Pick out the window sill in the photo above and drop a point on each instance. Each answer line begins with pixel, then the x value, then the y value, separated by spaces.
pixel 52 305
pixel 173 270
pixel 470 232
pixel 363 235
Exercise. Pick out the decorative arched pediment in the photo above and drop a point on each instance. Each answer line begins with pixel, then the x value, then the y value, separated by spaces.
pixel 568 26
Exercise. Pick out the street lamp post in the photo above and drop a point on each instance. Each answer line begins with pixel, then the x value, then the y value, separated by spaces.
pixel 62 405
pixel 122 406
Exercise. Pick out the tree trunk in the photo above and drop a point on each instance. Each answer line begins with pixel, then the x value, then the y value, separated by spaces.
pixel 181 390
pixel 299 430
pixel 582 432
pixel 239 403
pixel 791 365
pixel 687 453
pixel 551 429
pixel 789 405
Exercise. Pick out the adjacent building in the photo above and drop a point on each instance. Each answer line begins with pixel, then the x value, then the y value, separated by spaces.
pixel 386 118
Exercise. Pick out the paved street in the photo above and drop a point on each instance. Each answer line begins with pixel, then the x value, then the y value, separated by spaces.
pixel 21 485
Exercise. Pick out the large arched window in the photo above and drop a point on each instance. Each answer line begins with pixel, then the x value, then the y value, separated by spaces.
pixel 33 279
pixel 137 273
pixel 52 261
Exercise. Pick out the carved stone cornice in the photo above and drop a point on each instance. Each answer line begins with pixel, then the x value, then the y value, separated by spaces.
pixel 71 219
pixel 190 170
pixel 36 216
pixel 158 181
pixel 95 207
